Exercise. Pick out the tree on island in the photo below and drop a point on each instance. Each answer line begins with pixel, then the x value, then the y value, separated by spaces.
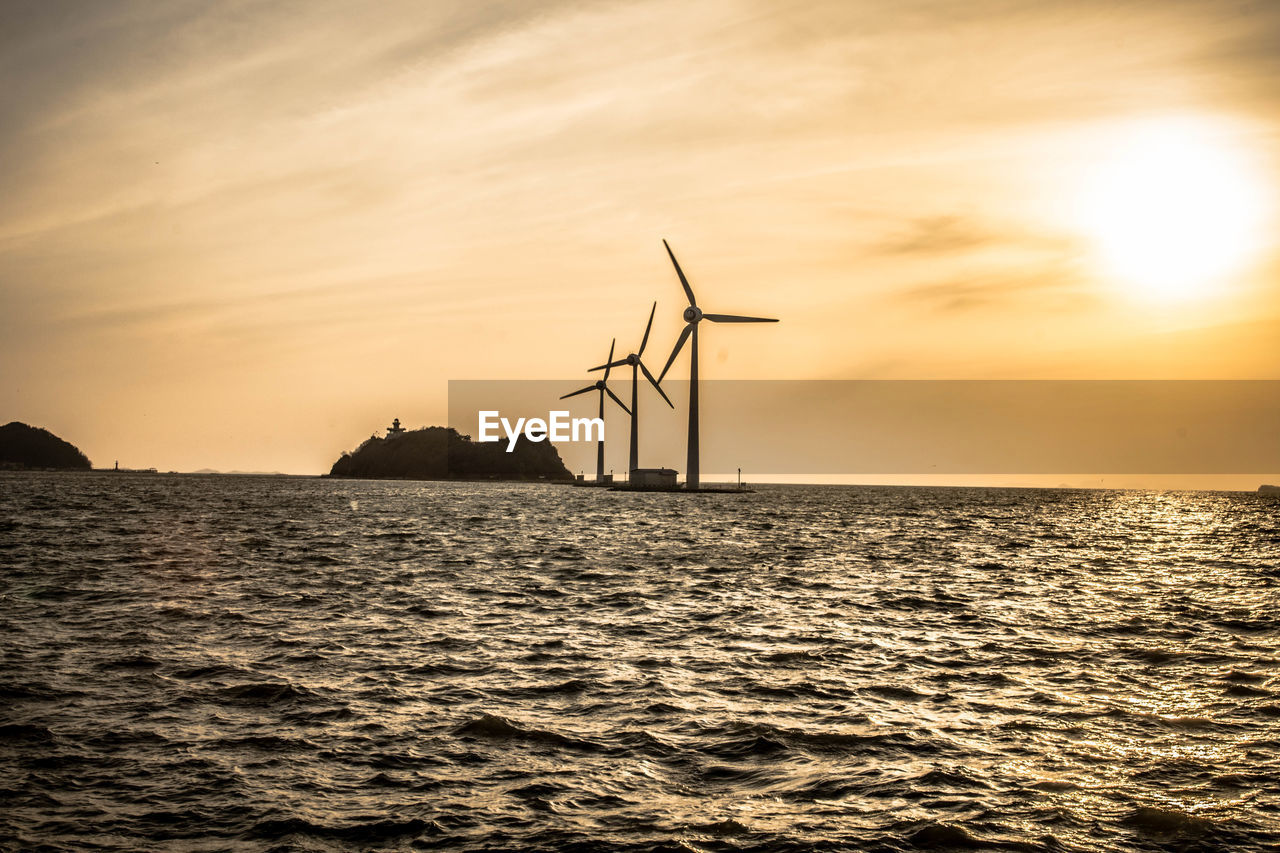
pixel 441 453
pixel 23 446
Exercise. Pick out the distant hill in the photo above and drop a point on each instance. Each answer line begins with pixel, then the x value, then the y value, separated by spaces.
pixel 23 446
pixel 441 453
pixel 1268 490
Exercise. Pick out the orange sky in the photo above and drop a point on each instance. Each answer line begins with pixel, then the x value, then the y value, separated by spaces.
pixel 247 238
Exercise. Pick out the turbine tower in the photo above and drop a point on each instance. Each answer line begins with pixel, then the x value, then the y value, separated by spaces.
pixel 692 316
pixel 633 359
pixel 599 385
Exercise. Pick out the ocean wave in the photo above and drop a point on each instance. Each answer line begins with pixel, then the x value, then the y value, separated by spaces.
pixel 361 833
pixel 494 727
pixel 261 693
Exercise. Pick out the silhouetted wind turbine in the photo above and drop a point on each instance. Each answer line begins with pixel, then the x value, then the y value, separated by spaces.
pixel 633 359
pixel 599 385
pixel 693 315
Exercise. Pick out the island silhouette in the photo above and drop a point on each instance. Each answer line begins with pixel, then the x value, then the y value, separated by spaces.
pixel 442 453
pixel 23 446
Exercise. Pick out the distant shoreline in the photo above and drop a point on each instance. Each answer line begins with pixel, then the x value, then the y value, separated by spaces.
pixel 754 485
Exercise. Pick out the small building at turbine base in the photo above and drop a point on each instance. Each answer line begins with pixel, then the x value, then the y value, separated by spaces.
pixel 653 478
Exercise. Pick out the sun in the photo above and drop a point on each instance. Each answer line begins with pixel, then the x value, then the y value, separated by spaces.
pixel 1172 210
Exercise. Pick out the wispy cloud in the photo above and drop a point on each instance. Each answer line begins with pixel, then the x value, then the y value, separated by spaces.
pixel 1049 289
pixel 932 235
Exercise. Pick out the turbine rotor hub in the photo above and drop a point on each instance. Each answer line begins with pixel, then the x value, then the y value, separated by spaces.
pixel 692 314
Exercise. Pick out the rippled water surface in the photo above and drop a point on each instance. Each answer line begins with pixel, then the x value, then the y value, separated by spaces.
pixel 212 663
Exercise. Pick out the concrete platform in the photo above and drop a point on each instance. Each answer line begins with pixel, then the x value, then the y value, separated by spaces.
pixel 701 490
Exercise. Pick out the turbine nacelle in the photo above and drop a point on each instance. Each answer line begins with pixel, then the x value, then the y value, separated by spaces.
pixel 629 360
pixel 633 360
pixel 694 315
pixel 601 386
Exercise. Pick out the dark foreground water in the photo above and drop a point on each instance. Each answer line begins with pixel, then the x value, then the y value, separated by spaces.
pixel 222 663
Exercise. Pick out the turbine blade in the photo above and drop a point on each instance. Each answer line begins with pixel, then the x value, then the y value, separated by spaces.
pixel 606 370
pixel 581 391
pixel 616 400
pixel 649 376
pixel 684 336
pixel 645 340
pixel 611 364
pixel 731 318
pixel 684 282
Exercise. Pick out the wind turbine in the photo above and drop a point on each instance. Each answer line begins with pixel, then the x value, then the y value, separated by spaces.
pixel 692 316
pixel 599 385
pixel 633 359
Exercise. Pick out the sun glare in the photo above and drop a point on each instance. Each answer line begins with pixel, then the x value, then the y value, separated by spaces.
pixel 1173 210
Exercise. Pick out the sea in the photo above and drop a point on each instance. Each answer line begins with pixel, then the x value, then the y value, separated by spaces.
pixel 209 663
